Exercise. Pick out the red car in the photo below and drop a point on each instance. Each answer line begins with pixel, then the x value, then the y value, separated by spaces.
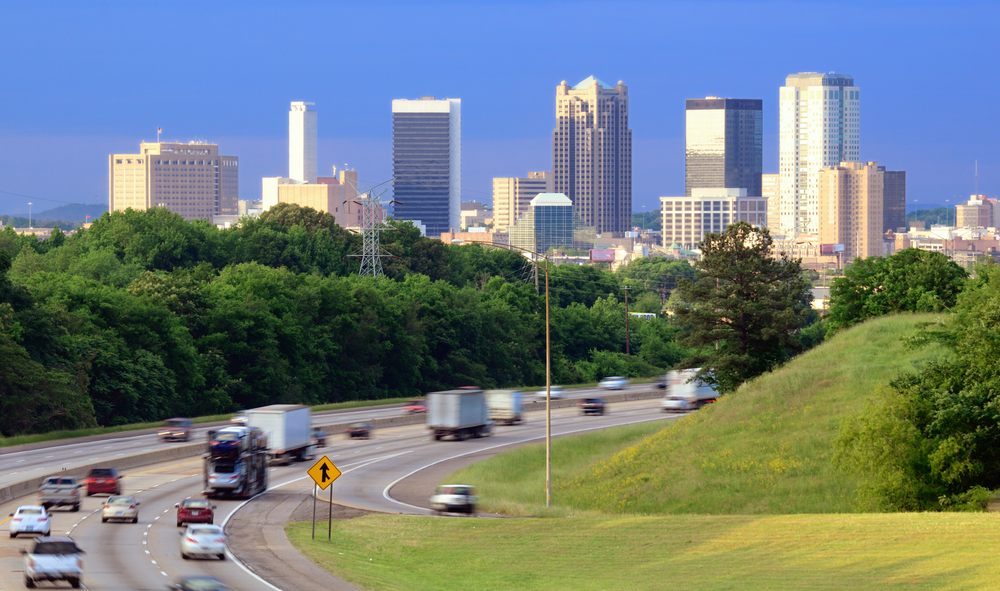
pixel 195 511
pixel 103 481
pixel 415 406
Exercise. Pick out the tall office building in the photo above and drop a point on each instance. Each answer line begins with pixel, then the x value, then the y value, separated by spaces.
pixel 770 190
pixel 894 205
pixel 548 223
pixel 851 197
pixel 592 153
pixel 686 220
pixel 512 197
pixel 819 125
pixel 724 141
pixel 302 142
pixel 191 179
pixel 427 162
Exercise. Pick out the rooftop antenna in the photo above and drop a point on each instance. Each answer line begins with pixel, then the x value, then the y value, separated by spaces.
pixel 976 168
pixel 159 130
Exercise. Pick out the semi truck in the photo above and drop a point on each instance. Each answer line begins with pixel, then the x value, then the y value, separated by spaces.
pixel 686 392
pixel 235 463
pixel 461 414
pixel 505 406
pixel 288 428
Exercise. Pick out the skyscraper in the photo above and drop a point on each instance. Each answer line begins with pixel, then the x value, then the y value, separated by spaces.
pixel 592 153
pixel 851 197
pixel 427 162
pixel 512 196
pixel 723 144
pixel 894 207
pixel 191 179
pixel 302 142
pixel 770 190
pixel 819 121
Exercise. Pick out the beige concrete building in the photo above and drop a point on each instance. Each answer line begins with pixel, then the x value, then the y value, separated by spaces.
pixel 512 196
pixel 851 198
pixel 770 190
pixel 191 179
pixel 592 153
pixel 688 219
pixel 977 212
pixel 336 195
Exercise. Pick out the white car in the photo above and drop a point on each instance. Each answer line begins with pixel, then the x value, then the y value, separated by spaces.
pixel 614 383
pixel 53 559
pixel 454 498
pixel 30 519
pixel 203 540
pixel 556 392
pixel 123 507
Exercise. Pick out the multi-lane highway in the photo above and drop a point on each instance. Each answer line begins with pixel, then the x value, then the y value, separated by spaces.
pixel 145 555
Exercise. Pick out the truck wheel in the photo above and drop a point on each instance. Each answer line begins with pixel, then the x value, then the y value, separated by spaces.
pixel 74 583
pixel 436 436
pixel 13 534
pixel 29 583
pixel 76 507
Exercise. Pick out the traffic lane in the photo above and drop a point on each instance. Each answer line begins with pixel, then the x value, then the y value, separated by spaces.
pixel 368 488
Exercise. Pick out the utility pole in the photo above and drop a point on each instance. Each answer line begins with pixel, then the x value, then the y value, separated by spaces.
pixel 29 216
pixel 627 344
pixel 548 397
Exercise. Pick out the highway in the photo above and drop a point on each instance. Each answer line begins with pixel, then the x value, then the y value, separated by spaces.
pixel 145 556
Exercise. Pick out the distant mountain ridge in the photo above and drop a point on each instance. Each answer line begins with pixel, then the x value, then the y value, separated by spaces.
pixel 64 216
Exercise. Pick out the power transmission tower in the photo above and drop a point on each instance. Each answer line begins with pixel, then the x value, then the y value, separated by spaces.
pixel 371 224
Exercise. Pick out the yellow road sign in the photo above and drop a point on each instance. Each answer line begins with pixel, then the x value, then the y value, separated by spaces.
pixel 324 472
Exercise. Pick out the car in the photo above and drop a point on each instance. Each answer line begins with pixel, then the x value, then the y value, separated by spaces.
pixel 60 491
pixel 555 392
pixel 239 418
pixel 203 540
pixel 592 406
pixel 176 429
pixel 454 498
pixel 613 383
pixel 319 436
pixel 195 511
pixel 53 558
pixel 198 583
pixel 415 407
pixel 103 481
pixel 359 430
pixel 30 519
pixel 125 508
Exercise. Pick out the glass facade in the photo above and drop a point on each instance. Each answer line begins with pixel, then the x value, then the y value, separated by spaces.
pixel 724 144
pixel 421 164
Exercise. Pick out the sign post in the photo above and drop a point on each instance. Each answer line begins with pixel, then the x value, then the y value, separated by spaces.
pixel 323 473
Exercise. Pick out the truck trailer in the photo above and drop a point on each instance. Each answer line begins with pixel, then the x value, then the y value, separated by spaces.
pixel 461 413
pixel 235 464
pixel 288 428
pixel 505 406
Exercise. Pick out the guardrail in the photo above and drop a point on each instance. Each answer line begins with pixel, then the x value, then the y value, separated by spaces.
pixel 177 452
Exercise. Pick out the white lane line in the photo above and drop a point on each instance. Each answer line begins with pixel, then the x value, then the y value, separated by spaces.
pixel 164 574
pixel 47 457
pixel 154 562
pixel 19 462
pixel 424 510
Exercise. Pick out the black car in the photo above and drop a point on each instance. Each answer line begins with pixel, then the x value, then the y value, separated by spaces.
pixel 593 406
pixel 362 430
pixel 198 583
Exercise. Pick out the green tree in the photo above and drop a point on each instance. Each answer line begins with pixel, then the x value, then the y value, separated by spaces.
pixel 745 308
pixel 911 280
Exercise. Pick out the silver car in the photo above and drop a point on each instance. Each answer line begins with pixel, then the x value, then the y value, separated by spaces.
pixel 124 507
pixel 454 498
pixel 614 383
pixel 203 541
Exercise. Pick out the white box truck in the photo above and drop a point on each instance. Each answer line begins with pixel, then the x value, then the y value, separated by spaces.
pixel 686 392
pixel 288 428
pixel 461 413
pixel 505 406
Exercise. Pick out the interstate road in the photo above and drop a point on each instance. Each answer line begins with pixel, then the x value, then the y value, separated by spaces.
pixel 18 464
pixel 145 556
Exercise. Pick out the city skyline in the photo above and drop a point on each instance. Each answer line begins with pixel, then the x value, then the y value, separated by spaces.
pixel 505 133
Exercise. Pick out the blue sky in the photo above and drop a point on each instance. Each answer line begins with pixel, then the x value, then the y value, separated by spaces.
pixel 83 79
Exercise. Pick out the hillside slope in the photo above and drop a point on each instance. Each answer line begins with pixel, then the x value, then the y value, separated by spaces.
pixel 766 448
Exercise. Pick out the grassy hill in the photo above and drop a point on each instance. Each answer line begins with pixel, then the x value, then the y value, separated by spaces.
pixel 766 448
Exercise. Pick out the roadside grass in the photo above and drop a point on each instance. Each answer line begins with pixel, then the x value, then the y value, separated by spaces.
pixel 39 437
pixel 910 551
pixel 766 448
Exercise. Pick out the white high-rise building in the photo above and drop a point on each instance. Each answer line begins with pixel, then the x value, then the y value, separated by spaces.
pixel 820 125
pixel 302 142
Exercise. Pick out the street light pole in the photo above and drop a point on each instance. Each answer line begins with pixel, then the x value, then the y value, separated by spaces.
pixel 29 216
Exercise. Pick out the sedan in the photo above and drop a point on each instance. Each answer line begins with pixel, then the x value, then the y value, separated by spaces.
pixel 362 430
pixel 614 383
pixel 203 540
pixel 30 519
pixel 198 583
pixel 125 508
pixel 415 407
pixel 555 392
pixel 195 511
pixel 454 497
pixel 103 481
pixel 593 406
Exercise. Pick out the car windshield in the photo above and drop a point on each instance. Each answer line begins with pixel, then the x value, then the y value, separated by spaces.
pixel 206 530
pixel 225 468
pixel 60 481
pixel 121 501
pixel 454 490
pixel 224 436
pixel 204 584
pixel 196 504
pixel 32 511
pixel 56 548
pixel 102 472
pixel 593 401
pixel 177 422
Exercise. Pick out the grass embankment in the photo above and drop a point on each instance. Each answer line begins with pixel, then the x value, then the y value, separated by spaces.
pixel 896 551
pixel 53 435
pixel 766 448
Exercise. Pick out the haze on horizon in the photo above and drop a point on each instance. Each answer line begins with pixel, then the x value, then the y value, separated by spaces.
pixel 84 80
